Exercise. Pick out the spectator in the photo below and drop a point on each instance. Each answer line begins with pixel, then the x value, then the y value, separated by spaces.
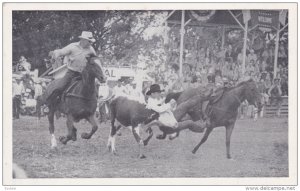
pixel 25 66
pixel 18 90
pixel 275 95
pixel 282 56
pixel 136 94
pixel 265 55
pixel 174 78
pixel 229 53
pixel 252 56
pixel 219 81
pixel 38 92
pixel 263 91
pixel 211 73
pixel 119 89
pixel 240 58
pixel 284 87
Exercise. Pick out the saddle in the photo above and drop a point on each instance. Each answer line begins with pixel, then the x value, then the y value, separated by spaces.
pixel 217 95
pixel 214 98
pixel 68 90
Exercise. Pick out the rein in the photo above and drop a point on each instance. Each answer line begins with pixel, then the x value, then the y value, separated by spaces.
pixel 77 96
pixel 235 97
pixel 238 99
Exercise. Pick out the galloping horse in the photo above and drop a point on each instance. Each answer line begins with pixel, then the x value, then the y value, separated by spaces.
pixel 222 111
pixel 78 102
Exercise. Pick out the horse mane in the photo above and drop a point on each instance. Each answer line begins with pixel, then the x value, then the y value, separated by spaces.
pixel 85 72
pixel 237 86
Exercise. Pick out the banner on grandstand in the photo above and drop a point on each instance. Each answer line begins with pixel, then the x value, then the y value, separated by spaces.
pixel 202 15
pixel 265 20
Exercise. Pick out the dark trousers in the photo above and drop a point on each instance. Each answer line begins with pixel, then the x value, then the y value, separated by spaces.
pixel 63 83
pixel 16 106
pixel 38 106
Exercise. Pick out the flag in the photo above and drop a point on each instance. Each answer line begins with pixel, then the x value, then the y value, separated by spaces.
pixel 246 15
pixel 282 16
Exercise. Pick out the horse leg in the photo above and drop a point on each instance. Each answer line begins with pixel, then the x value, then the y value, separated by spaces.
pixel 229 129
pixel 187 124
pixel 71 130
pixel 204 138
pixel 51 127
pixel 162 136
pixel 181 126
pixel 92 121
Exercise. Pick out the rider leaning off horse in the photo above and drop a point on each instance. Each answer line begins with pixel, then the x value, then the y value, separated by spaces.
pixel 76 55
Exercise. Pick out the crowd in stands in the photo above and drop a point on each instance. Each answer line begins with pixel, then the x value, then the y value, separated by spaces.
pixel 216 64
pixel 211 63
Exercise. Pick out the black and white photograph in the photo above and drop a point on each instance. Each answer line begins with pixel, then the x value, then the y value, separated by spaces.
pixel 190 93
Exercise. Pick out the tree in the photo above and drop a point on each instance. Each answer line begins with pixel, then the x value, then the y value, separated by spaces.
pixel 118 34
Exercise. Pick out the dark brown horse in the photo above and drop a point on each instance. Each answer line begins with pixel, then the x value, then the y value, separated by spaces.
pixel 78 102
pixel 223 111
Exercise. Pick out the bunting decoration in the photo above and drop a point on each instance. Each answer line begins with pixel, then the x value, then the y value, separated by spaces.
pixel 265 20
pixel 202 15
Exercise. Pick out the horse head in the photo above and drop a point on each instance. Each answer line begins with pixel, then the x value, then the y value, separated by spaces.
pixel 95 69
pixel 252 94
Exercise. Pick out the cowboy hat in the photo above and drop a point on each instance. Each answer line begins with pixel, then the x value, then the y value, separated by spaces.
pixel 154 88
pixel 87 35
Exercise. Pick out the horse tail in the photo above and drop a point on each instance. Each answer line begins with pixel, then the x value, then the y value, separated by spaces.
pixel 171 96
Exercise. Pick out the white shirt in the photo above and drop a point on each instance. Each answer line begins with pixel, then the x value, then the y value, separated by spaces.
pixel 137 96
pixel 75 55
pixel 26 66
pixel 158 105
pixel 103 91
pixel 166 116
pixel 127 89
pixel 18 89
pixel 38 90
pixel 119 91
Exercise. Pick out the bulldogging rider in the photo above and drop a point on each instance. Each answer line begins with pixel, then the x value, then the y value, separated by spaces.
pixel 76 55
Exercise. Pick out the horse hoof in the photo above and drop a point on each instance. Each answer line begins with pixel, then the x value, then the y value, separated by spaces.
pixel 142 156
pixel 173 136
pixel 160 137
pixel 115 153
pixel 62 139
pixel 194 151
pixel 229 157
pixel 85 136
pixel 149 130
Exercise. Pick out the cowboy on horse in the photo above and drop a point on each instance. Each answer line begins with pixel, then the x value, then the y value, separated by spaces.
pixel 76 55
pixel 75 94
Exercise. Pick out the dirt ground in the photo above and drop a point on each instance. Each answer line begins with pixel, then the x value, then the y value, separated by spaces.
pixel 259 149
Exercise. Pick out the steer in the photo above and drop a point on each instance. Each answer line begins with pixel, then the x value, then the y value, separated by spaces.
pixel 130 113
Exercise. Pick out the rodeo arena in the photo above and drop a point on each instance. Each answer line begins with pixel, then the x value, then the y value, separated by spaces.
pixel 199 93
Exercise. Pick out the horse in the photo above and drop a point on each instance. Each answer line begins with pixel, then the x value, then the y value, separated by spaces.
pixel 78 102
pixel 223 111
